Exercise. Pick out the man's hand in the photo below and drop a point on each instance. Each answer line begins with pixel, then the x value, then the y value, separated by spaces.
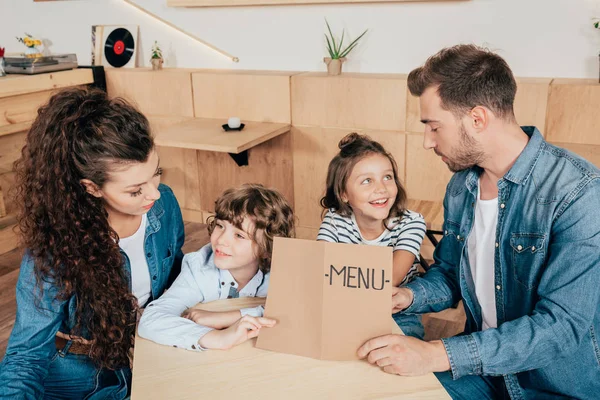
pixel 245 328
pixel 212 319
pixel 402 298
pixel 405 355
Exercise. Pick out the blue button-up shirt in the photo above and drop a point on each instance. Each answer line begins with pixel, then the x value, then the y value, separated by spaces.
pixel 546 276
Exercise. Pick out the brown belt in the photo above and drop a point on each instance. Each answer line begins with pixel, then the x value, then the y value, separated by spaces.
pixel 75 348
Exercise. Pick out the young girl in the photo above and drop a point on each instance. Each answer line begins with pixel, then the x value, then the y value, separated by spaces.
pixel 102 237
pixel 364 204
pixel 235 263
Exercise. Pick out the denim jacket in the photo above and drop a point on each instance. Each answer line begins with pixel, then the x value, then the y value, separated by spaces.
pixel 546 276
pixel 31 349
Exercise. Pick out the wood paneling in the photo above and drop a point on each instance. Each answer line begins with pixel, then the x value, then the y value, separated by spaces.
pixel 353 101
pixel 426 173
pixel 572 114
pixel 314 148
pixel 269 163
pixel 166 92
pixel 531 102
pixel 17 113
pixel 249 95
pixel 15 84
pixel 587 151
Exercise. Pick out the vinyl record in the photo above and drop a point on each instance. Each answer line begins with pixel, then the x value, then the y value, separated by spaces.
pixel 119 47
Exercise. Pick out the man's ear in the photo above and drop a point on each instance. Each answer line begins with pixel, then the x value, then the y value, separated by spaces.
pixel 91 188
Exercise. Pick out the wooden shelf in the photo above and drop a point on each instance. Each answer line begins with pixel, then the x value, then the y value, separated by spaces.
pixel 228 3
pixel 16 84
pixel 207 134
pixel 15 128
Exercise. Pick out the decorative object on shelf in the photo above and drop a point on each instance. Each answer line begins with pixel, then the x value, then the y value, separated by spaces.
pixel 337 54
pixel 233 124
pixel 597 26
pixel 31 44
pixel 2 72
pixel 157 58
pixel 119 44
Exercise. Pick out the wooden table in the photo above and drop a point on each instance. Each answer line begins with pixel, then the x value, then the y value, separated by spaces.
pixel 208 134
pixel 245 372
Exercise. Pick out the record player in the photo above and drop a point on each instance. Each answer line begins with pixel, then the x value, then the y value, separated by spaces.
pixel 38 65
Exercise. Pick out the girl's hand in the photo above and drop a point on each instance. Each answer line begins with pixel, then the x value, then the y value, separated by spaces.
pixel 212 319
pixel 245 328
pixel 402 298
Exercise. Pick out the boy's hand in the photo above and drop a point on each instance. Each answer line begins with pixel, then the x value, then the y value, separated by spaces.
pixel 212 319
pixel 401 299
pixel 245 328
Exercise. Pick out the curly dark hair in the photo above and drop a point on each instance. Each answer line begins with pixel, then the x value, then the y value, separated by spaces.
pixel 353 148
pixel 81 134
pixel 270 212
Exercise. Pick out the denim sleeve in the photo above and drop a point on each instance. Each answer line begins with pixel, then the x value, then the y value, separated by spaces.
pixel 439 288
pixel 161 321
pixel 31 345
pixel 176 222
pixel 568 301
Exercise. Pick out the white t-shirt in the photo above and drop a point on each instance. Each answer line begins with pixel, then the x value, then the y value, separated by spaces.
pixel 133 246
pixel 481 245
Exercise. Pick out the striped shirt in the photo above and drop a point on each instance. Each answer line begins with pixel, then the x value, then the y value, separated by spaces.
pixel 402 233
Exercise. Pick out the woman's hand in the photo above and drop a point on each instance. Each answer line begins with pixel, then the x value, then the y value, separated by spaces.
pixel 212 319
pixel 245 328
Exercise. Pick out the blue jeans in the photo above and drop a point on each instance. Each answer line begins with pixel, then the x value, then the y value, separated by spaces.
pixel 410 324
pixel 473 386
pixel 74 376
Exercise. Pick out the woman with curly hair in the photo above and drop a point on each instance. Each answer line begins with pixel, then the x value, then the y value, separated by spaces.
pixel 103 237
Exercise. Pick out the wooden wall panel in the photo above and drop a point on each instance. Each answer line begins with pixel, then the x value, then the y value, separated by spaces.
pixel 314 147
pixel 166 92
pixel 531 102
pixel 587 151
pixel 413 114
pixel 353 101
pixel 269 163
pixel 426 174
pixel 572 114
pixel 251 96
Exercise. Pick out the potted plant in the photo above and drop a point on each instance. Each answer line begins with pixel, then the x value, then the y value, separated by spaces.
pixel 337 53
pixel 157 58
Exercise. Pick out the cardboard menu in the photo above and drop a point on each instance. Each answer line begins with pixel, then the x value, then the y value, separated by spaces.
pixel 328 298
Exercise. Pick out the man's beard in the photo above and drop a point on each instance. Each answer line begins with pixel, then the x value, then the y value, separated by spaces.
pixel 467 154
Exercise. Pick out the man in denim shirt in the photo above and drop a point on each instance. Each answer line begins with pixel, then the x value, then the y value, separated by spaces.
pixel 521 246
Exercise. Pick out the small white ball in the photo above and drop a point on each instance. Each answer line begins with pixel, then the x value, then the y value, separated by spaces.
pixel 234 122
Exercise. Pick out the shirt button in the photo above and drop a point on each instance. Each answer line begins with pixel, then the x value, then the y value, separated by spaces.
pixel 519 247
pixel 502 205
pixel 154 277
pixel 532 248
pixel 498 287
pixel 232 284
pixel 222 283
pixel 149 255
pixel 193 347
pixel 497 244
pixel 445 232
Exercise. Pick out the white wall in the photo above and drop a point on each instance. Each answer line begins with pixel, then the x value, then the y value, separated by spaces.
pixel 541 38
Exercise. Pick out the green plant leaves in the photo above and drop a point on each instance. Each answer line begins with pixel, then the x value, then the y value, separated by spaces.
pixel 335 49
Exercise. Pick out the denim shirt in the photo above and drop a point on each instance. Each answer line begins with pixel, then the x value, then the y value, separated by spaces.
pixel 31 346
pixel 546 276
pixel 200 281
